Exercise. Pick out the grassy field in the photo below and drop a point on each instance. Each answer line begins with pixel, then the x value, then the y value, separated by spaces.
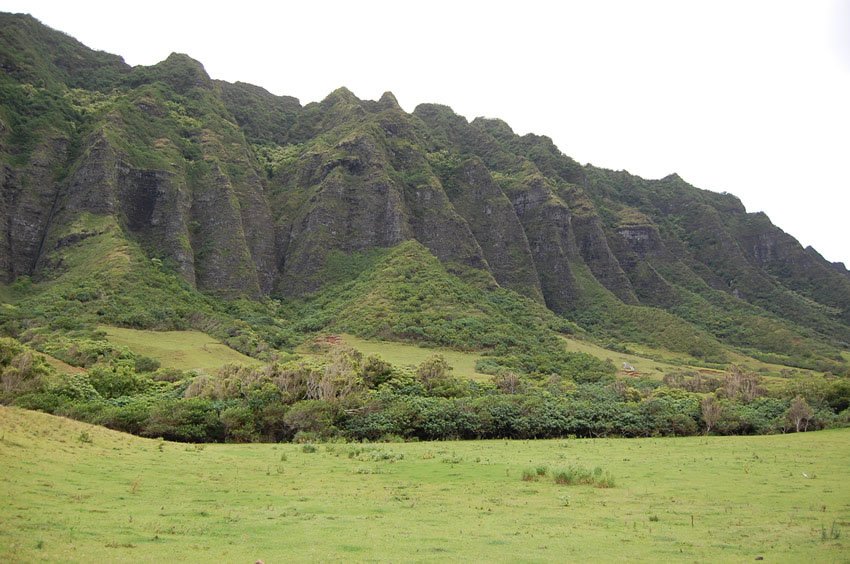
pixel 645 366
pixel 655 363
pixel 193 350
pixel 401 354
pixel 60 366
pixel 464 362
pixel 73 492
pixel 184 350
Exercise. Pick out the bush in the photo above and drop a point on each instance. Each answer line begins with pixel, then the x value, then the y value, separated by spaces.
pixel 146 364
pixel 313 416
pixel 188 420
pixel 46 401
pixel 239 424
pixel 76 387
pixel 572 476
pixel 130 418
pixel 117 381
pixel 21 371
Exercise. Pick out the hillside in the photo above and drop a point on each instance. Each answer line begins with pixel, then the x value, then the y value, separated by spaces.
pixel 159 198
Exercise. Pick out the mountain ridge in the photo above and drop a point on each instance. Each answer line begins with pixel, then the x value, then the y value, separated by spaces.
pixel 243 193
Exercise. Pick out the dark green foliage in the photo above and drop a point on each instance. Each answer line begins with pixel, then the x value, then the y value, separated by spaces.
pixel 146 364
pixel 376 371
pixel 308 401
pixel 116 381
pixel 189 420
pixel 314 418
pixel 264 117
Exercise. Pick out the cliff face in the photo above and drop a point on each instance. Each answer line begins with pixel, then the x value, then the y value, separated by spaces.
pixel 241 192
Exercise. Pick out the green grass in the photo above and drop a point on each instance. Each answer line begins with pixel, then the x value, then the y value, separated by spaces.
pixel 645 366
pixel 402 354
pixel 184 350
pixel 61 367
pixel 655 363
pixel 77 493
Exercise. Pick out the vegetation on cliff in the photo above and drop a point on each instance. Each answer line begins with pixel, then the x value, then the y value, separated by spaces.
pixel 158 198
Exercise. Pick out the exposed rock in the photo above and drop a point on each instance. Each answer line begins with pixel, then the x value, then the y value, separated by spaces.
pixel 547 223
pixel 496 227
pixel 223 263
pixel 165 160
pixel 593 245
pixel 156 208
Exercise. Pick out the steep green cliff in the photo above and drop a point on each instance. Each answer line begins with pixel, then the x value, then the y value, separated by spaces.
pixel 163 177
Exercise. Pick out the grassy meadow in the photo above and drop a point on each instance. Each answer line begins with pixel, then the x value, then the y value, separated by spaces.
pixel 402 354
pixel 195 350
pixel 183 350
pixel 75 492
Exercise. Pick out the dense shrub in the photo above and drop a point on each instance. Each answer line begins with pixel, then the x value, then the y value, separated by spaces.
pixel 188 420
pixel 318 417
pixel 117 380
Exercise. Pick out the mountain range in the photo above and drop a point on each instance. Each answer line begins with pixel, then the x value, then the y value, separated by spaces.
pixel 157 197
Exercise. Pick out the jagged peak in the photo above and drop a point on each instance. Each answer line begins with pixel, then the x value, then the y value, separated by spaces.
pixel 181 72
pixel 537 138
pixel 260 92
pixel 389 101
pixel 36 53
pixel 185 61
pixel 341 94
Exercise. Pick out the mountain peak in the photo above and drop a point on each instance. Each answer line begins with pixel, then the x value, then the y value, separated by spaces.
pixel 389 101
pixel 182 72
pixel 494 126
pixel 341 94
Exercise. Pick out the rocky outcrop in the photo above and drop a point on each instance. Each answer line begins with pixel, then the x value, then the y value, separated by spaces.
pixel 155 208
pixel 348 205
pixel 28 198
pixel 547 224
pixel 594 247
pixel 802 270
pixel 496 227
pixel 242 192
pixel 637 247
pixel 370 189
pixel 223 263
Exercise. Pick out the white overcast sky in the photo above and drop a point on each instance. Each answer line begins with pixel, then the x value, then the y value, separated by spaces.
pixel 748 97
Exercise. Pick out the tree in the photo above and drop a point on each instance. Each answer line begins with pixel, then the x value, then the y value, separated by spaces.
pixel 745 386
pixel 339 377
pixel 508 382
pixel 799 413
pixel 435 375
pixel 376 371
pixel 712 411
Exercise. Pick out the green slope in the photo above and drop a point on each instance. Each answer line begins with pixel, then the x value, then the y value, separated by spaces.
pixel 77 493
pixel 183 350
pixel 156 198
